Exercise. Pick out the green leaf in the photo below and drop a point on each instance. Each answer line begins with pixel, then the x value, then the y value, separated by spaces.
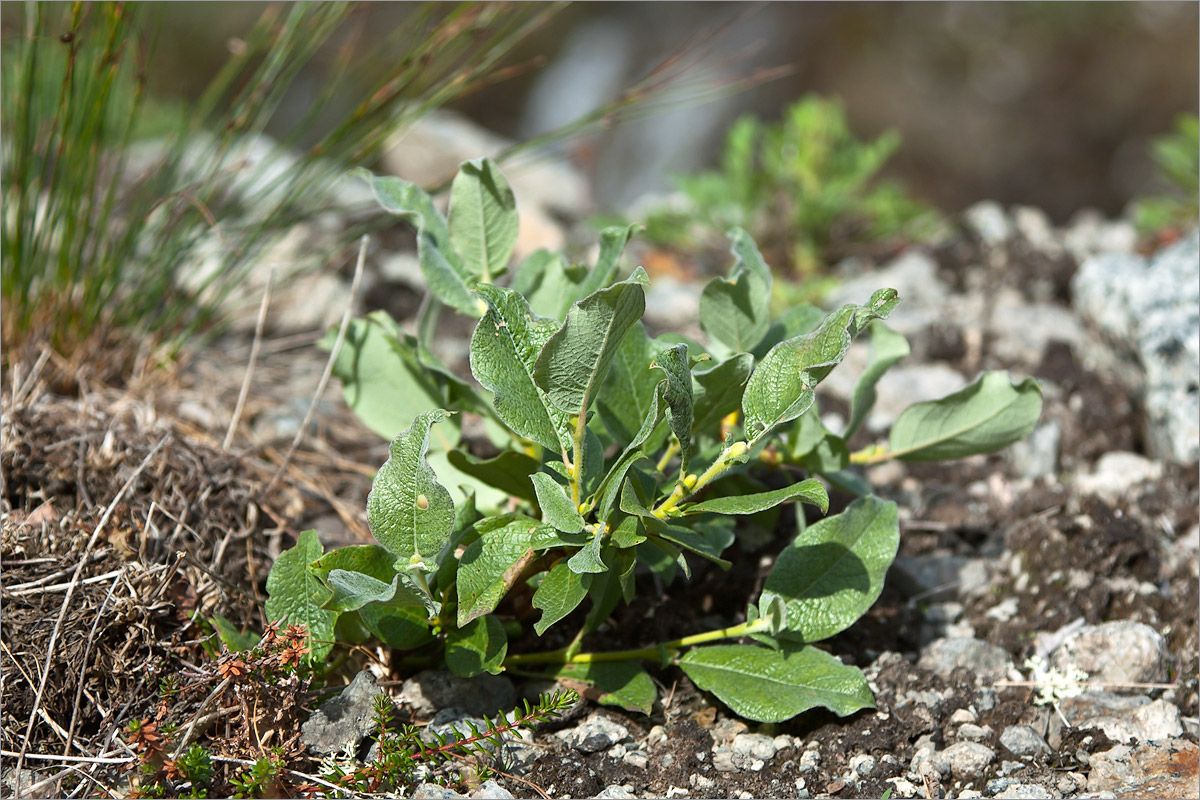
pixel 775 685
pixel 795 321
pixel 382 379
pixel 720 392
pixel 708 544
pixel 401 628
pixel 611 486
pixel 549 284
pixel 991 413
pixel 483 218
pixel 557 508
pixel 294 591
pixel 630 385
pixel 735 310
pixel 573 362
pixel 781 387
pixel 631 503
pixel 409 512
pixel 476 647
pixel 444 272
pixel 509 471
pixel 409 202
pixel 560 593
pixel 236 640
pixel 612 243
pixel 678 395
pixel 504 351
pixel 444 276
pixel 628 533
pixel 833 572
pixel 887 347
pixel 810 491
pixel 490 566
pixel 588 560
pixel 353 590
pixel 622 683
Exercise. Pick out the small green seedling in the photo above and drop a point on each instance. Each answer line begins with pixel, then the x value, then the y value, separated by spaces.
pixel 802 186
pixel 616 453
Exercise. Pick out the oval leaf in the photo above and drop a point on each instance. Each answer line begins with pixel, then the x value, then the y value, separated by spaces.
pixel 293 590
pixel 477 647
pixel 781 387
pixel 833 572
pixel 989 414
pixel 557 508
pixel 810 491
pixel 620 683
pixel 483 218
pixel 887 347
pixel 490 566
pixel 677 393
pixel 775 685
pixel 560 593
pixel 735 310
pixel 574 361
pixel 409 512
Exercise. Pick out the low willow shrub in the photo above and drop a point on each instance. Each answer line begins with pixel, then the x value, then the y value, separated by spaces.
pixel 617 453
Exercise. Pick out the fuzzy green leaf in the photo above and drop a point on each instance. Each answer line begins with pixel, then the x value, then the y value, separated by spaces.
pixel 483 218
pixel 504 351
pixel 549 284
pixel 479 646
pixel 588 560
pixel 781 387
pixel 353 590
pixel 833 572
pixel 611 486
pixel 509 471
pixel 629 386
pixel 735 310
pixel 678 395
pixel 236 640
pixel 810 491
pixel 296 592
pixel 720 392
pixel 490 566
pixel 622 683
pixel 887 347
pixel 991 413
pixel 560 593
pixel 409 512
pixel 775 685
pixel 708 543
pixel 557 508
pixel 574 361
pixel 401 628
pixel 382 379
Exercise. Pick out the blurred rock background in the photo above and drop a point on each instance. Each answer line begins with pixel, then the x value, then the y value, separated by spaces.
pixel 1044 104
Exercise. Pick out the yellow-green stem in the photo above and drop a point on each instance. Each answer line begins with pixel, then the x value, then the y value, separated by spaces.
pixel 671 648
pixel 671 450
pixel 577 454
pixel 874 454
pixel 718 467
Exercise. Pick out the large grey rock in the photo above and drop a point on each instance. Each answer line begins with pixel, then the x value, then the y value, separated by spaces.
pixel 1147 770
pixel 616 792
pixel 1121 652
pixel 595 733
pixel 1150 311
pixel 968 760
pixel 343 721
pixel 1158 721
pixel 1117 472
pixel 939 577
pixel 987 220
pixel 1089 233
pixel 431 791
pixel 490 790
pixel 1024 791
pixel 428 692
pixel 989 662
pixel 1023 740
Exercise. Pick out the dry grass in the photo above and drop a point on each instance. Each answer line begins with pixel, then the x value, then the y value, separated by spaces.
pixel 130 519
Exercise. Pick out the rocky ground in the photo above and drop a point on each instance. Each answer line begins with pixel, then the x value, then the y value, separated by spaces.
pixel 1074 550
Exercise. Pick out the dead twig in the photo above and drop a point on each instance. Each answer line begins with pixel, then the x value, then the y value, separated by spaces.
pixel 254 348
pixel 87 652
pixel 333 354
